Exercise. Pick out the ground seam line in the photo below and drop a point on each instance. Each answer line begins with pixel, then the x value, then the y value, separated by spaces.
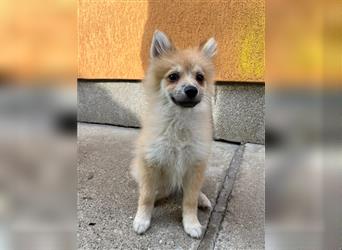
pixel 217 213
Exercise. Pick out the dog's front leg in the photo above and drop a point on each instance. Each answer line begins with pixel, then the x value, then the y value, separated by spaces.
pixel 192 184
pixel 147 192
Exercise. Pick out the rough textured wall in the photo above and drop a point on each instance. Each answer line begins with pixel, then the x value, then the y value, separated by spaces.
pixel 114 36
pixel 238 109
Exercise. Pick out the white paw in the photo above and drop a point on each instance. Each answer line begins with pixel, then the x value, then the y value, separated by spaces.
pixel 203 201
pixel 140 225
pixel 194 230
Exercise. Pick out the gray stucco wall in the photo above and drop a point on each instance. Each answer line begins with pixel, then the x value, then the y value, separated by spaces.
pixel 238 108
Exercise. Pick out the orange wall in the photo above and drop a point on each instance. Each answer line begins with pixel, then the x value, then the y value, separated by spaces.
pixel 304 44
pixel 114 36
pixel 38 41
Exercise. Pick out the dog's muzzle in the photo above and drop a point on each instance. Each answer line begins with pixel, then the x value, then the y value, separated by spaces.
pixel 188 98
pixel 185 104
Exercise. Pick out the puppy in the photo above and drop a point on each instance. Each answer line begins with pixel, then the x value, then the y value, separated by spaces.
pixel 174 144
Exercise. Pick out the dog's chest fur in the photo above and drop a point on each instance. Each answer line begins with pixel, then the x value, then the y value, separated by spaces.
pixel 179 142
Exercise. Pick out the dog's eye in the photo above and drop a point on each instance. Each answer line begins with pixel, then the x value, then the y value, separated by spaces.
pixel 173 77
pixel 199 78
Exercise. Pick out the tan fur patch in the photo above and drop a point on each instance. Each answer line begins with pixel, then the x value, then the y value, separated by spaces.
pixel 187 59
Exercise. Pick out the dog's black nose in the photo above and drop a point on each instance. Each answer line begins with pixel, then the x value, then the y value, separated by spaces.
pixel 190 91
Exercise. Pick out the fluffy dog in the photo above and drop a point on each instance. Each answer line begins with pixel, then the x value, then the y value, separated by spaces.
pixel 174 144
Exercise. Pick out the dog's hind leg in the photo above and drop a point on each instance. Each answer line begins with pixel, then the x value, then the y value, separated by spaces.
pixel 203 201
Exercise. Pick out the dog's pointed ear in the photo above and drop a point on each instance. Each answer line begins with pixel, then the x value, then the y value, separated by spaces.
pixel 209 48
pixel 161 44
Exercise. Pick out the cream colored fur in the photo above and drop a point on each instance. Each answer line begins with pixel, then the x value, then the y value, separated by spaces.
pixel 173 148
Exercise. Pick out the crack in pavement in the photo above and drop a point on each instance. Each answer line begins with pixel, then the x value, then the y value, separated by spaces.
pixel 217 214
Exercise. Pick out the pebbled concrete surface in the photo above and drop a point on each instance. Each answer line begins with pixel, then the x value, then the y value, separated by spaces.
pixel 107 196
pixel 239 113
pixel 243 225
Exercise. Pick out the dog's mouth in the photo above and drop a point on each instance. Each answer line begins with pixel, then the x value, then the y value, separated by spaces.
pixel 185 103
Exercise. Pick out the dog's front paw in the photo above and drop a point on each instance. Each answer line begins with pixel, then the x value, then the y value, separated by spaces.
pixel 140 225
pixel 193 229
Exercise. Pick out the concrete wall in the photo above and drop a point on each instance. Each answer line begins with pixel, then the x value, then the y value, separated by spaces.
pixel 238 108
pixel 118 103
pixel 239 112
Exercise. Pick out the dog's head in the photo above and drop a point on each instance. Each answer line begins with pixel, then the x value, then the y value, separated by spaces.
pixel 184 77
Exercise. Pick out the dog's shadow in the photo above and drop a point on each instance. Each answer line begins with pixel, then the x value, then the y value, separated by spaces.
pixel 174 198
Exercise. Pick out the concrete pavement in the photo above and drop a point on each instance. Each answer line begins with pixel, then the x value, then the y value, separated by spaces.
pixel 107 197
pixel 243 224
